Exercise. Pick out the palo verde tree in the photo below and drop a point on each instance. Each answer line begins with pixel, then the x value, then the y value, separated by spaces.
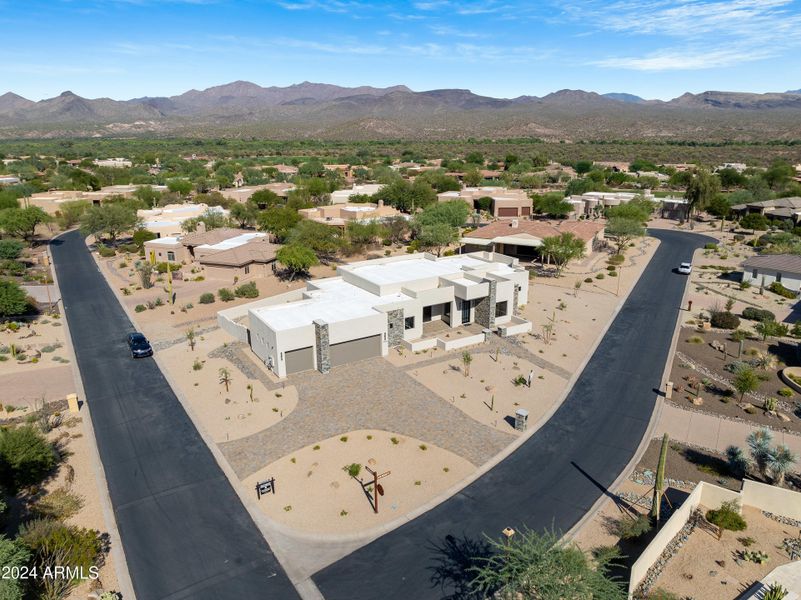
pixel 624 230
pixel 109 219
pixel 562 249
pixel 296 258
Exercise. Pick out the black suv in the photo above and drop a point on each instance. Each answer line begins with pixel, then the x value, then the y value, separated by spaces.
pixel 139 345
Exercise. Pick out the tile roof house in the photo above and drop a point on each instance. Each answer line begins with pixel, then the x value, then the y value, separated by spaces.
pixel 521 237
pixel 764 269
pixel 779 208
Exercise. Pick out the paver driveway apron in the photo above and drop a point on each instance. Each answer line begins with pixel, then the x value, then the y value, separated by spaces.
pixel 183 528
pixel 559 473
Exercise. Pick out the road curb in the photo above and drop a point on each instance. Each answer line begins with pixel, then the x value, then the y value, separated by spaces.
pixel 117 550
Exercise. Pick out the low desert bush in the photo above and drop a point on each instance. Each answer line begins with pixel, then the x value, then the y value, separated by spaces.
pixel 778 288
pixel 247 290
pixel 26 457
pixel 727 517
pixel 631 529
pixel 140 308
pixel 207 298
pixel 59 504
pixel 106 251
pixel 758 314
pixel 725 320
pixel 225 294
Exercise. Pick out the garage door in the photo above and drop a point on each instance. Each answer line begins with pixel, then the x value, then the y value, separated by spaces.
pixel 507 212
pixel 353 350
pixel 301 359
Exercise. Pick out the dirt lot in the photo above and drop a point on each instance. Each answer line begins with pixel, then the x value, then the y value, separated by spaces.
pixel 720 399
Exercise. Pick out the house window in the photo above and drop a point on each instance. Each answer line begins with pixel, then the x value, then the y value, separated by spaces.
pixel 500 309
pixel 247 269
pixel 778 277
pixel 408 323
pixel 171 256
pixel 754 273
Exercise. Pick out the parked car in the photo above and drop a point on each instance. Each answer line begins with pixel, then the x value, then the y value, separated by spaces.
pixel 139 345
pixel 685 268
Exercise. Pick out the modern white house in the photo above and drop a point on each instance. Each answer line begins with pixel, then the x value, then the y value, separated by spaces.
pixel 366 189
pixel 371 306
pixel 767 268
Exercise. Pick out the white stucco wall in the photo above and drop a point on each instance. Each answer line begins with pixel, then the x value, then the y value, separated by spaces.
pixel 791 281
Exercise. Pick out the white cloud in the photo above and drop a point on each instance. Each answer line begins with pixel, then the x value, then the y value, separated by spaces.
pixel 670 60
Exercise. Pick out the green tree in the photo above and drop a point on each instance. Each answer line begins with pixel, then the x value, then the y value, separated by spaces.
pixel 745 381
pixel 453 212
pixel 323 239
pixel 244 213
pixel 624 230
pixel 182 187
pixel 13 553
pixel 437 236
pixel 140 236
pixel 583 166
pixel 472 177
pixel 70 213
pixel 278 220
pixel 265 198
pixel 22 222
pixel 361 235
pixel 719 206
pixel 638 208
pixel 703 187
pixel 13 299
pixel 552 204
pixel 297 259
pixel 562 249
pixel 109 219
pixel 770 328
pixel 534 565
pixel 148 196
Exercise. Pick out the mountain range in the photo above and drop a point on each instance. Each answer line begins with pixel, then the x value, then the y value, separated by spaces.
pixel 324 111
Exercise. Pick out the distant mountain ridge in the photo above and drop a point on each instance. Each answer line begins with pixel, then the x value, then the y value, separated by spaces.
pixel 329 111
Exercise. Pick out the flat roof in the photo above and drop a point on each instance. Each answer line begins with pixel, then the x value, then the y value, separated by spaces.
pixel 335 301
pixel 233 242
pixel 413 269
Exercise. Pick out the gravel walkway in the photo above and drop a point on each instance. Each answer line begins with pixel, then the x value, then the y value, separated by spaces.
pixel 370 394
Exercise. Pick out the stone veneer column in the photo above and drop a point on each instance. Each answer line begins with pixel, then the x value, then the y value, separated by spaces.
pixel 514 300
pixel 485 309
pixel 395 327
pixel 322 346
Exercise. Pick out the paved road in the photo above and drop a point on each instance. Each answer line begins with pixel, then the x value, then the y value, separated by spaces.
pixel 183 528
pixel 555 477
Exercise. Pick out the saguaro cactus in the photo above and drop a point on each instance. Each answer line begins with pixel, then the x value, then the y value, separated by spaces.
pixel 659 484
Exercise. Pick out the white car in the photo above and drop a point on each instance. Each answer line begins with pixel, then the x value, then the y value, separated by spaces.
pixel 685 268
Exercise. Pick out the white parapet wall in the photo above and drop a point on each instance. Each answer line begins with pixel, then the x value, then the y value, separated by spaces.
pixel 230 319
pixel 418 345
pixel 514 327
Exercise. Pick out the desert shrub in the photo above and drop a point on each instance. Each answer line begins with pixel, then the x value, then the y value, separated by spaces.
pixel 613 274
pixel 599 276
pixel 158 302
pixel 744 285
pixel 106 251
pixel 696 340
pixel 727 517
pixel 11 249
pixel 247 290
pixel 353 469
pixel 13 553
pixel 26 457
pixel 778 288
pixel 711 246
pixel 631 529
pixel 140 308
pixel 725 320
pixel 59 504
pixel 616 259
pixel 662 594
pixel 786 392
pixel 588 280
pixel 758 314
pixel 775 591
pixel 197 365
pixel 53 542
pixel 225 294
pixel 163 267
pixel 207 298
pixel 132 248
pixel 610 267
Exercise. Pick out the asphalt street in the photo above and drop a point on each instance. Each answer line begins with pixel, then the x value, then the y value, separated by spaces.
pixel 553 479
pixel 184 530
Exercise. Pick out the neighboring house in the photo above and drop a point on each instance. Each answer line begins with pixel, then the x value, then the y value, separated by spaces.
pixel 506 203
pixel 764 269
pixel 521 238
pixel 243 194
pixel 341 214
pixel 51 201
pixel 739 167
pixel 780 208
pixel 8 180
pixel 345 170
pixel 222 252
pixel 673 208
pixel 288 170
pixel 343 196
pixel 591 203
pixel 167 221
pixel 113 163
pixel 374 305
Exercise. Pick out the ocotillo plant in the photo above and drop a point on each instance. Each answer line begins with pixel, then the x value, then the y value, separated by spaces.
pixel 659 484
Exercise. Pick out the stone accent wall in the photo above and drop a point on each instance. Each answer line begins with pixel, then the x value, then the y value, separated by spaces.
pixel 515 308
pixel 395 325
pixel 322 346
pixel 485 309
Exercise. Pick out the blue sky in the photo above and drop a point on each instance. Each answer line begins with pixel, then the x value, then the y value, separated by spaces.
pixel 503 48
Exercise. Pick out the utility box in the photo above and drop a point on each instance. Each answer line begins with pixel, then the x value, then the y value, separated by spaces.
pixel 72 403
pixel 521 419
pixel 669 390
